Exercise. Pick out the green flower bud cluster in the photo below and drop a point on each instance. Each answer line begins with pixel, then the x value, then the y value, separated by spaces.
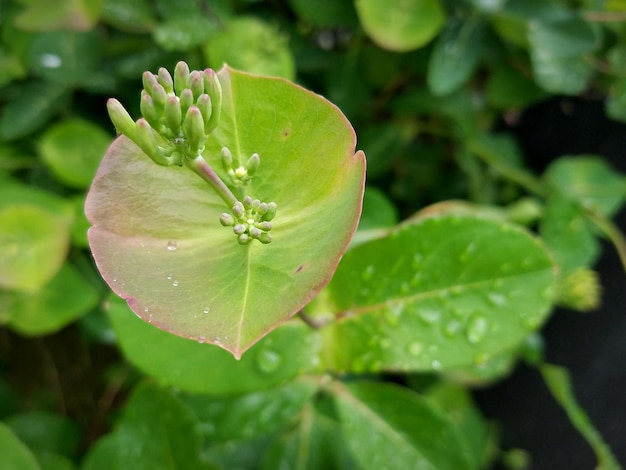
pixel 178 113
pixel 242 175
pixel 580 290
pixel 250 220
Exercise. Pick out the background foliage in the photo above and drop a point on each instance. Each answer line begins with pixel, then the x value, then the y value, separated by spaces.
pixel 434 89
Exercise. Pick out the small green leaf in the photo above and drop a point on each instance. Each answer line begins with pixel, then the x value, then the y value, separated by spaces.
pixel 507 88
pixel 438 293
pixel 559 383
pixel 455 55
pixel 62 300
pixel 197 367
pixel 155 431
pixel 255 414
pixel 46 432
pixel 157 236
pixel 182 33
pixel 386 426
pixel 65 57
pixel 73 150
pixel 589 181
pixel 251 45
pixel 15 455
pixel 129 15
pixel 401 26
pixel 35 104
pixel 34 245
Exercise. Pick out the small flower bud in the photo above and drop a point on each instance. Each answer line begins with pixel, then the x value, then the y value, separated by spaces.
pixel 255 232
pixel 121 119
pixel 196 84
pixel 165 79
pixel 173 114
pixel 247 202
pixel 255 204
pixel 147 142
pixel 181 75
pixel 253 164
pixel 227 220
pixel 148 79
pixel 193 126
pixel 238 209
pixel 186 100
pixel 158 95
pixel 239 229
pixel 262 209
pixel 265 226
pixel 149 111
pixel 243 238
pixel 227 159
pixel 213 88
pixel 265 238
pixel 271 212
pixel 204 105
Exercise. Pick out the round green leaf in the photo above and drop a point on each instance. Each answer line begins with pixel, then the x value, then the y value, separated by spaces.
pixel 252 45
pixel 197 367
pixel 156 236
pixel 435 294
pixel 46 432
pixel 73 150
pixel 401 25
pixel 34 243
pixel 15 455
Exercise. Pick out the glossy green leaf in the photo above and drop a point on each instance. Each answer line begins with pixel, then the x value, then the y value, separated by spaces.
pixel 507 88
pixel 34 245
pixel 250 44
pixel 65 298
pixel 455 55
pixel 192 366
pixel 156 235
pixel 590 181
pixel 73 150
pixel 437 293
pixel 155 431
pixel 386 426
pixel 255 414
pixel 401 25
pixel 46 432
pixel 569 75
pixel 559 383
pixel 15 455
pixel 65 57
pixel 43 15
pixel 34 105
pixel 181 33
pixel 569 235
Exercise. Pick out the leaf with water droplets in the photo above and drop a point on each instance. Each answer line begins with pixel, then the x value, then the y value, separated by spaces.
pixel 483 285
pixel 157 237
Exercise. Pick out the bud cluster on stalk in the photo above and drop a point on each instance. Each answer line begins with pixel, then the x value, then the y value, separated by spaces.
pixel 179 113
pixel 250 220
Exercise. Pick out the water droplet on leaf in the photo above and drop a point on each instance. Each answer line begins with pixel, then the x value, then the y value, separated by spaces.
pixel 172 245
pixel 201 339
pixel 169 277
pixel 206 310
pixel 175 284
pixel 429 316
pixel 477 329
pixel 368 273
pixel 496 299
pixel 415 348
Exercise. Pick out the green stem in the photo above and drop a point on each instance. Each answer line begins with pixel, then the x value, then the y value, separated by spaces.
pixel 612 232
pixel 200 166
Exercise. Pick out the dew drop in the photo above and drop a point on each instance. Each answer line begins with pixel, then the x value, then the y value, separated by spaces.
pixel 417 260
pixel 201 339
pixel 175 283
pixel 146 310
pixel 368 273
pixel 392 315
pixel 452 328
pixel 415 348
pixel 477 329
pixel 496 299
pixel 405 287
pixel 268 361
pixel 429 316
pixel 206 310
pixel 436 365
pixel 172 245
pixel 150 318
pixel 169 277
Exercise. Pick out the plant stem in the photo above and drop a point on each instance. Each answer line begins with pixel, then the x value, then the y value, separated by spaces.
pixel 314 323
pixel 612 232
pixel 200 166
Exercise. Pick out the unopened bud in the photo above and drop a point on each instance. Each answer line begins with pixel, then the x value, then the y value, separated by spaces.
pixel 265 226
pixel 173 114
pixel 253 164
pixel 196 84
pixel 181 75
pixel 213 88
pixel 243 239
pixel 149 111
pixel 193 127
pixel 239 229
pixel 121 119
pixel 271 212
pixel 265 238
pixel 227 220
pixel 158 95
pixel 238 209
pixel 186 100
pixel 148 79
pixel 580 290
pixel 247 202
pixel 227 159
pixel 255 232
pixel 204 105
pixel 147 142
pixel 165 79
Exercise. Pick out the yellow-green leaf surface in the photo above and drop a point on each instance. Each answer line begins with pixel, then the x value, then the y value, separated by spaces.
pixel 401 25
pixel 438 293
pixel 156 236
